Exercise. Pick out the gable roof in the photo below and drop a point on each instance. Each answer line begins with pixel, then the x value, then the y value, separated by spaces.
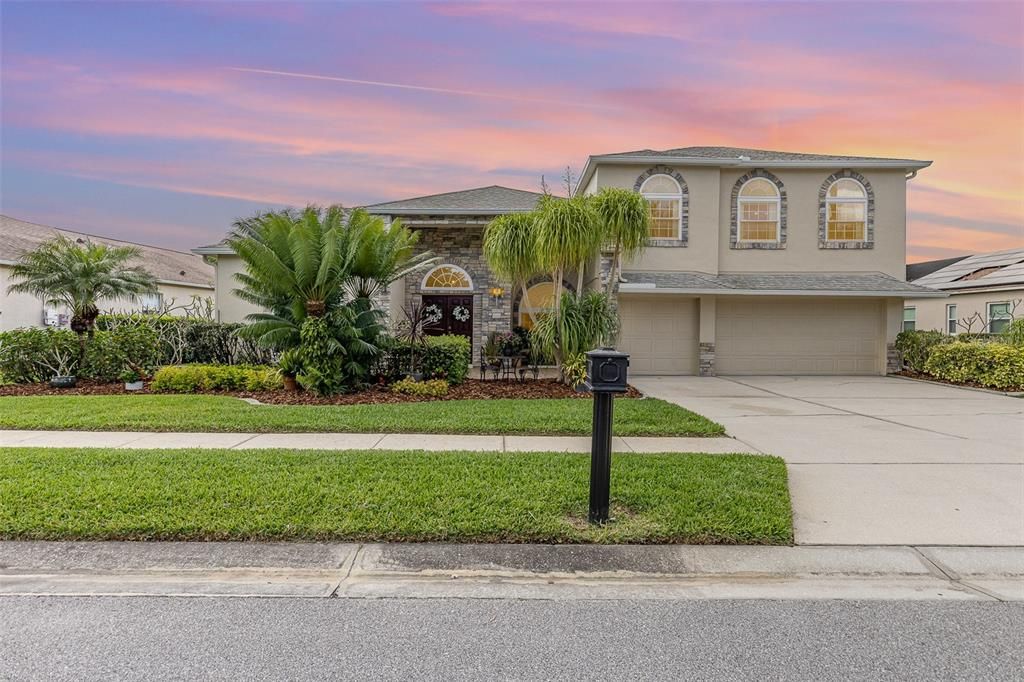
pixel 491 200
pixel 918 270
pixel 742 157
pixel 167 265
pixel 1003 269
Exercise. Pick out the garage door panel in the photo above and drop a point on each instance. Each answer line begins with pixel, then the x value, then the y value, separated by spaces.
pixel 659 333
pixel 772 336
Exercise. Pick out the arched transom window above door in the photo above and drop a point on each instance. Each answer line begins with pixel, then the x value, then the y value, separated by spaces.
pixel 447 277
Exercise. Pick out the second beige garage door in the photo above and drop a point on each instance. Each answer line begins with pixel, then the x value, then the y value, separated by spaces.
pixel 659 333
pixel 798 336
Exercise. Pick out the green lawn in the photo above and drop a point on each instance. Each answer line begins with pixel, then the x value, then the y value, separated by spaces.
pixel 645 417
pixel 388 496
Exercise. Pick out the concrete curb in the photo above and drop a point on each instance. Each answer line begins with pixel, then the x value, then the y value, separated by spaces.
pixel 977 389
pixel 351 570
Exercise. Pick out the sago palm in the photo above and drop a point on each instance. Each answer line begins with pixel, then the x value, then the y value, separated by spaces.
pixel 384 253
pixel 80 275
pixel 510 247
pixel 625 221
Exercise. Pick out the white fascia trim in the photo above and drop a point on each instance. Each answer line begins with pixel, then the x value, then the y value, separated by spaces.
pixel 981 290
pixel 448 211
pixel 626 288
pixel 734 162
pixel 179 283
pixel 4 261
pixel 213 251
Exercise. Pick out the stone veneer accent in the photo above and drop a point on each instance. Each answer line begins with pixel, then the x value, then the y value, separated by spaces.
pixel 463 246
pixel 706 366
pixel 734 238
pixel 684 204
pixel 893 359
pixel 823 242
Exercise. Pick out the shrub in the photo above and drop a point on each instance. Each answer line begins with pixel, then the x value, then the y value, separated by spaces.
pixel 193 378
pixel 445 357
pixel 575 369
pixel 129 347
pixel 188 340
pixel 32 354
pixel 433 388
pixel 1014 334
pixel 997 365
pixel 915 346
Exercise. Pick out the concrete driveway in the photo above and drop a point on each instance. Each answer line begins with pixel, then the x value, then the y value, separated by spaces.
pixel 877 460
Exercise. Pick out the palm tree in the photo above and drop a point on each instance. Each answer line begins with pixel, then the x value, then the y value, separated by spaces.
pixel 79 275
pixel 568 237
pixel 510 247
pixel 384 253
pixel 625 220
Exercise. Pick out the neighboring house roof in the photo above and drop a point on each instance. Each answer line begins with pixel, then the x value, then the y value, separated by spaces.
pixel 781 284
pixel 492 200
pixel 916 271
pixel 1002 269
pixel 167 265
pixel 741 157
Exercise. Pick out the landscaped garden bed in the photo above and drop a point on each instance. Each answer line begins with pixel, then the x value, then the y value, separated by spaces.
pixel 470 389
pixel 558 416
pixel 98 494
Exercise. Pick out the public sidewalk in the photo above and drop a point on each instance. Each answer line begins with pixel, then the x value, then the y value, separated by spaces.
pixel 360 441
pixel 565 572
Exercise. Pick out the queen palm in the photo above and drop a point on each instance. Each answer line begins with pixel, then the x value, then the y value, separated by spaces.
pixel 625 220
pixel 510 247
pixel 79 275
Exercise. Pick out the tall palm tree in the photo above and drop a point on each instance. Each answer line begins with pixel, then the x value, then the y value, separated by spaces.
pixel 625 220
pixel 384 253
pixel 79 275
pixel 510 247
pixel 568 237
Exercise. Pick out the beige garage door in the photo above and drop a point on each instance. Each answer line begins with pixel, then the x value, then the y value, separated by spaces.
pixel 659 333
pixel 798 336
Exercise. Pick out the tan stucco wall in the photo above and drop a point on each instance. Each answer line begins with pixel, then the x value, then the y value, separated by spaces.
pixel 230 308
pixel 710 196
pixel 931 312
pixel 22 310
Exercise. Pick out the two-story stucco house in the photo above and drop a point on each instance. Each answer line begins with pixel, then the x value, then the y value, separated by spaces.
pixel 758 263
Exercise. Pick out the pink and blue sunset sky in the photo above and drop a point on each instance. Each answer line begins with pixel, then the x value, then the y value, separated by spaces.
pixel 162 122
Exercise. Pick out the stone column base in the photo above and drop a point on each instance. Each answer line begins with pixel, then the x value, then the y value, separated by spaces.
pixel 706 366
pixel 893 360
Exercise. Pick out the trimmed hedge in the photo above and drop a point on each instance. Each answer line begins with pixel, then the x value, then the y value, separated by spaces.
pixel 445 357
pixel 915 346
pixel 997 365
pixel 190 340
pixel 195 378
pixel 33 354
pixel 434 388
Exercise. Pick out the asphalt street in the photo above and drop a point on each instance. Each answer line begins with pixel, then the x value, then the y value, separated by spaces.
pixel 85 638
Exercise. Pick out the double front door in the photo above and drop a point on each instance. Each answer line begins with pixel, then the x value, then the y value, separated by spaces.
pixel 451 314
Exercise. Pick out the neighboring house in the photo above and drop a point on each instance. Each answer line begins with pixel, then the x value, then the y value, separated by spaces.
pixel 986 293
pixel 759 262
pixel 180 276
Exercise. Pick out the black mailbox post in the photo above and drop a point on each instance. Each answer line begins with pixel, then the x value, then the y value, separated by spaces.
pixel 606 375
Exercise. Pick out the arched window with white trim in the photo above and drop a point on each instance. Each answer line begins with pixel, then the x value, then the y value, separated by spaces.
pixel 759 206
pixel 537 299
pixel 446 277
pixel 846 211
pixel 665 198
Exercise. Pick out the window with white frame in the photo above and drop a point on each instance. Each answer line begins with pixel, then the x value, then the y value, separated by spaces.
pixel 758 210
pixel 999 317
pixel 909 319
pixel 951 318
pixel 152 303
pixel 665 198
pixel 846 211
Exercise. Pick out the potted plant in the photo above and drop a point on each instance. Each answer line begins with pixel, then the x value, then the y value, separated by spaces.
pixel 290 364
pixel 132 379
pixel 61 364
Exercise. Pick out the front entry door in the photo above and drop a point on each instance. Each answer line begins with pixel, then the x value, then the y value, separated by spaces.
pixel 456 315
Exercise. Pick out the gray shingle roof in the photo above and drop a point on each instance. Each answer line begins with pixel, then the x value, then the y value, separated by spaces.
pixel 1007 270
pixel 872 284
pixel 752 154
pixel 493 200
pixel 167 265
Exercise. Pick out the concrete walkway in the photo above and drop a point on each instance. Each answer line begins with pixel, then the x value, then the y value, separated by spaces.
pixel 359 441
pixel 567 572
pixel 877 460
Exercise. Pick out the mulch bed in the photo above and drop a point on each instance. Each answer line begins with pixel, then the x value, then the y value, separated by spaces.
pixel 469 389
pixel 969 384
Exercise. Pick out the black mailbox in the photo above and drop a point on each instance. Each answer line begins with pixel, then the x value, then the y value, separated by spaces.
pixel 606 371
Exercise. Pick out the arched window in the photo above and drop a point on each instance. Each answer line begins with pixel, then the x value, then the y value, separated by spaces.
pixel 536 299
pixel 846 211
pixel 447 277
pixel 665 198
pixel 758 208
